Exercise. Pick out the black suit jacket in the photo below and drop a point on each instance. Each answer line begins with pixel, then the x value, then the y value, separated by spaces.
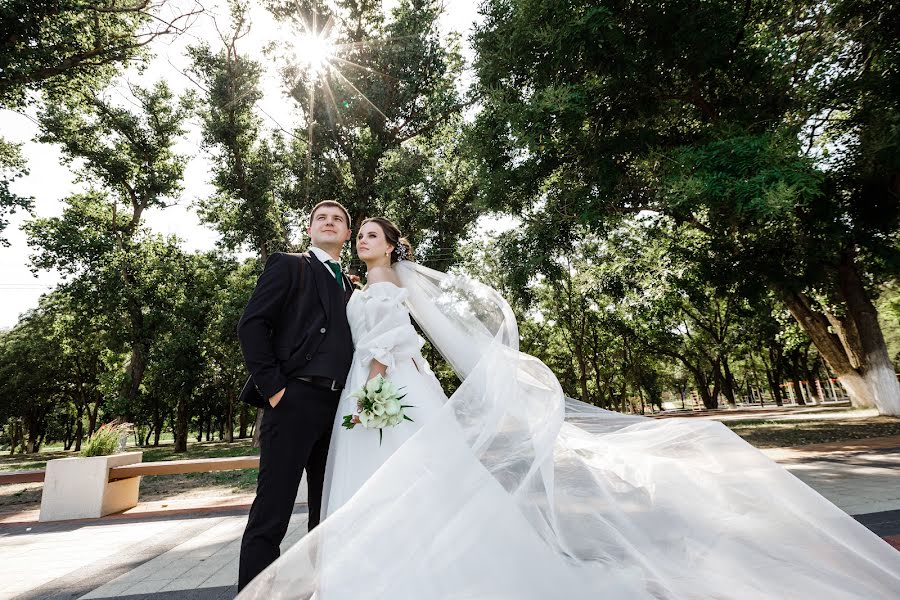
pixel 279 325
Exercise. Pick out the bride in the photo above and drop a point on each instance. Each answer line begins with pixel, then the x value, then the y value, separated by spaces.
pixel 509 490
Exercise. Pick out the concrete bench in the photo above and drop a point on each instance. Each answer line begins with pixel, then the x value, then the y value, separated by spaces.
pixel 91 487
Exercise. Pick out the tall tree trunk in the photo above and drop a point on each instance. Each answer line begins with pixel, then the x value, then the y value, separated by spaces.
pixel 709 401
pixel 229 418
pixel 578 348
pixel 31 440
pixel 14 439
pixel 157 431
pixel 181 424
pixel 717 382
pixel 256 426
pixel 200 427
pixel 242 421
pixel 812 383
pixel 134 373
pixel 68 436
pixel 92 421
pixel 852 344
pixel 775 373
pixel 728 383
pixel 798 390
pixel 798 356
pixel 79 426
pixel 774 386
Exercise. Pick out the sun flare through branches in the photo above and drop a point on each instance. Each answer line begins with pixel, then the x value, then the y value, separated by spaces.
pixel 315 51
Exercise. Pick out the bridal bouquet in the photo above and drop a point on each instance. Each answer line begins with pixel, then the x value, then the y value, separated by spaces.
pixel 377 406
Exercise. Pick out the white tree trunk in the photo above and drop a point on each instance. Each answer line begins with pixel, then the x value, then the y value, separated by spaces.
pixel 877 388
pixel 852 344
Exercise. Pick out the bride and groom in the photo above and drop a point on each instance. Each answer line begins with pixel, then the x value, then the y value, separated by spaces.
pixel 506 489
pixel 298 334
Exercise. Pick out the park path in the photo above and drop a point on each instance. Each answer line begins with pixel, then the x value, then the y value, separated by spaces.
pixel 187 549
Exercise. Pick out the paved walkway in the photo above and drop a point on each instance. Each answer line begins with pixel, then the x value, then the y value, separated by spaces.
pixel 859 476
pixel 182 552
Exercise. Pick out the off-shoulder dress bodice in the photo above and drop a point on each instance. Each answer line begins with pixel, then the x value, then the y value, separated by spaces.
pixel 382 330
pixel 381 327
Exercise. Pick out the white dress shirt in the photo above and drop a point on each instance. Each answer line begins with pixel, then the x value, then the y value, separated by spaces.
pixel 322 255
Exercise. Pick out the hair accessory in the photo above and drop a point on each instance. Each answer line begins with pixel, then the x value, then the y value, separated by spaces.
pixel 402 251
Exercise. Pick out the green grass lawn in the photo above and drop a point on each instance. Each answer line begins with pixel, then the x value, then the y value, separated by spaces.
pixel 27 462
pixel 28 496
pixel 200 450
pixel 780 434
pixel 760 433
pixel 235 481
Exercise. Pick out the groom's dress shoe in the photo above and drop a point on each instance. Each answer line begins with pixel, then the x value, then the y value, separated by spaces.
pixel 323 383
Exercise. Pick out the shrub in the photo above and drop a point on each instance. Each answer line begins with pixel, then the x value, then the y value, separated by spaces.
pixel 108 439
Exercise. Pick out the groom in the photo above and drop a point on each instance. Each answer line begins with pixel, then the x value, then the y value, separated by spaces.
pixel 297 345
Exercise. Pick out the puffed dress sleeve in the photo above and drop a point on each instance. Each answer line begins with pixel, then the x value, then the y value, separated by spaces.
pixel 389 336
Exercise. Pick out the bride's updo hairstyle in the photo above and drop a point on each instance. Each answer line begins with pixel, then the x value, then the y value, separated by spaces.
pixel 402 248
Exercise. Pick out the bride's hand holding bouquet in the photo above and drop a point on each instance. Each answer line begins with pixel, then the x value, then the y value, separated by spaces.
pixel 378 405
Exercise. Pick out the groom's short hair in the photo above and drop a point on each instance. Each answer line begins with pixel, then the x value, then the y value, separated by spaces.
pixel 333 203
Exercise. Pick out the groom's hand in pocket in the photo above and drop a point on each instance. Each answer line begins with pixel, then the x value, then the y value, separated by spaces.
pixel 274 400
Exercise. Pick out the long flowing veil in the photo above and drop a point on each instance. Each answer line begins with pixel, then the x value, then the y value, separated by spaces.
pixel 515 491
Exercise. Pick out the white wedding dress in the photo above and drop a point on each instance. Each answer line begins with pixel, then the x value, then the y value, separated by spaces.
pixel 507 490
pixel 382 331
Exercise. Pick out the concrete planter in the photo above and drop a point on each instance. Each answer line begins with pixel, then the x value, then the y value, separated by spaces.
pixel 78 487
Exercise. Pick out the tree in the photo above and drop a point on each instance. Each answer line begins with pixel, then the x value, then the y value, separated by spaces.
pixel 29 383
pixel 12 167
pixel 429 186
pixel 252 174
pixel 61 48
pixel 760 125
pixel 54 44
pixel 225 373
pixel 177 363
pixel 129 156
pixel 382 116
pixel 81 360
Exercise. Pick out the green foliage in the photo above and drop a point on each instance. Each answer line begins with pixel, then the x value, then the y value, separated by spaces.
pixel 12 167
pixel 429 184
pixel 768 129
pixel 252 174
pixel 383 128
pixel 128 153
pixel 98 239
pixel 65 49
pixel 52 45
pixel 703 116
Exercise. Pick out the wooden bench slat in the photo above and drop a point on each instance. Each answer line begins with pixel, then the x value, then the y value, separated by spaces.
pixel 179 467
pixel 22 477
pixel 163 467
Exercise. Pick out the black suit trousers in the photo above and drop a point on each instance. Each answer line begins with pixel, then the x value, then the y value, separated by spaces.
pixel 294 436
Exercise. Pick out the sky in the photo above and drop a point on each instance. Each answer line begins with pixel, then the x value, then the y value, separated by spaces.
pixel 50 179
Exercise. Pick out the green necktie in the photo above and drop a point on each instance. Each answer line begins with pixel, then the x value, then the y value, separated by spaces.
pixel 336 269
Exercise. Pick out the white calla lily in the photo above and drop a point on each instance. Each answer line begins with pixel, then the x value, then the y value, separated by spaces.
pixel 378 405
